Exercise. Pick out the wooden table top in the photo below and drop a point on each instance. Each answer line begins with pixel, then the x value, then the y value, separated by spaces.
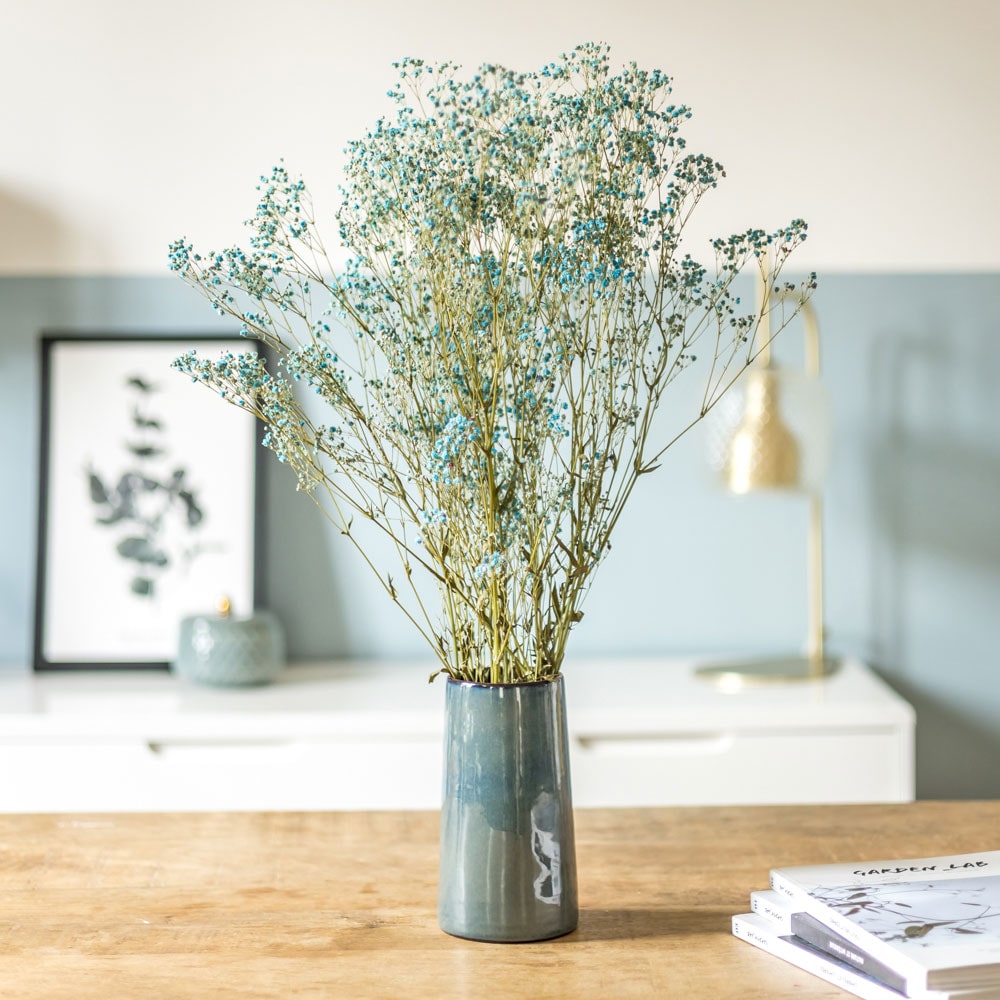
pixel 343 905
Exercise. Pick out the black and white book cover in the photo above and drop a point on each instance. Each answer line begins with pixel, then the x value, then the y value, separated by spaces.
pixel 935 921
pixel 784 918
pixel 762 933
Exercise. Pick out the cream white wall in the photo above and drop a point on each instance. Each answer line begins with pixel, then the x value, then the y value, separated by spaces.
pixel 123 125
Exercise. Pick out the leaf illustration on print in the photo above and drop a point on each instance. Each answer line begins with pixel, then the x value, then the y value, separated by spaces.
pixel 143 422
pixel 194 513
pixel 141 550
pixel 922 930
pixel 144 450
pixel 144 508
pixel 921 914
pixel 98 491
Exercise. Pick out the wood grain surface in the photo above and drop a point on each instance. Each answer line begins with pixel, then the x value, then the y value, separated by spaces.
pixel 342 905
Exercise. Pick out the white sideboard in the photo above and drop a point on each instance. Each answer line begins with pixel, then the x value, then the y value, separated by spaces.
pixel 367 735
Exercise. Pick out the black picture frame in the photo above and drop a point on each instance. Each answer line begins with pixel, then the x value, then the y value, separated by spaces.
pixel 149 499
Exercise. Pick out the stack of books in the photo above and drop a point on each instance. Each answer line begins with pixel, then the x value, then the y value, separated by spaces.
pixel 924 927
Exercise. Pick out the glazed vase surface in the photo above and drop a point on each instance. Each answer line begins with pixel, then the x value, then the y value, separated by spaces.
pixel 508 856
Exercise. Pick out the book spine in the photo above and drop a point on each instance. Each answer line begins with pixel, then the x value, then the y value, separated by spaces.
pixel 913 974
pixel 809 929
pixel 747 928
pixel 772 908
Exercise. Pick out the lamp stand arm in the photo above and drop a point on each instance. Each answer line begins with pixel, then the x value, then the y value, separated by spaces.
pixel 814 648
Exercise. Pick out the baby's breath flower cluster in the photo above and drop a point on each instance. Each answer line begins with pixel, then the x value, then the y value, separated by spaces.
pixel 515 304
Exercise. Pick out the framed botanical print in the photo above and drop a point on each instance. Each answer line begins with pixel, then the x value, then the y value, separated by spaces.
pixel 147 500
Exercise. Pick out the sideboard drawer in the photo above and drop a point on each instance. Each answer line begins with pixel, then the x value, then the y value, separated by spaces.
pixel 235 775
pixel 718 768
pixel 74 777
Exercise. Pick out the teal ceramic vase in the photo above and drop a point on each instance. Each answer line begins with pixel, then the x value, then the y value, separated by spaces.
pixel 508 855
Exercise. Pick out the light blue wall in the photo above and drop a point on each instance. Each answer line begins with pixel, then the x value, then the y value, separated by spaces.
pixel 913 513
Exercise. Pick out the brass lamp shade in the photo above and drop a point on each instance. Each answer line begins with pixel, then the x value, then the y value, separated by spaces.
pixel 763 453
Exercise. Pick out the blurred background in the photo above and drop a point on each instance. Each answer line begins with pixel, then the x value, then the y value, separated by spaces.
pixel 125 127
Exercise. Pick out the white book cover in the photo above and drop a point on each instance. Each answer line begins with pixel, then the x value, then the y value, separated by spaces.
pixel 757 930
pixel 786 918
pixel 936 921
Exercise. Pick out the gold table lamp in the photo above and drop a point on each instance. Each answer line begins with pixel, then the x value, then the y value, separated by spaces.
pixel 764 454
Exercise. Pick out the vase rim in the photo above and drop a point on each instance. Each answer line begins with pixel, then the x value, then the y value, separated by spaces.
pixel 506 684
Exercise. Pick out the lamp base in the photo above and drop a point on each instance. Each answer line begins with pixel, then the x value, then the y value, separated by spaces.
pixel 735 674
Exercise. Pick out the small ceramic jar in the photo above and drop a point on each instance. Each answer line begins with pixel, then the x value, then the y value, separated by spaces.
pixel 224 651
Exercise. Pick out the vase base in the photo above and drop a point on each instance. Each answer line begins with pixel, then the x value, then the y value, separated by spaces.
pixel 524 938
